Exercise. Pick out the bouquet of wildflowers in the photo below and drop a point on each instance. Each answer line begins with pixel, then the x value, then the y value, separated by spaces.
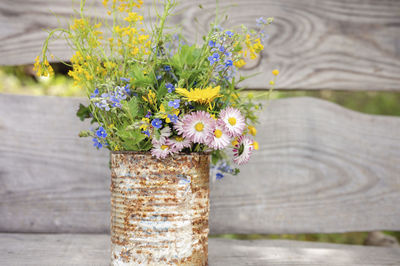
pixel 150 91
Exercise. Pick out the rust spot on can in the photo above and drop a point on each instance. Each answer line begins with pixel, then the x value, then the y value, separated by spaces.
pixel 159 209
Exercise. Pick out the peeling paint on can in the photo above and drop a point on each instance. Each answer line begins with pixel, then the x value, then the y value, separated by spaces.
pixel 159 209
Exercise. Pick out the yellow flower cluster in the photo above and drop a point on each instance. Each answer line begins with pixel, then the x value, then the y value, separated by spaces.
pixel 130 40
pixel 254 47
pixel 87 68
pixel 151 98
pixel 123 5
pixel 164 114
pixel 44 68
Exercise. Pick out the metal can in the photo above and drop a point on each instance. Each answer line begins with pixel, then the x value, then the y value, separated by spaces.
pixel 159 209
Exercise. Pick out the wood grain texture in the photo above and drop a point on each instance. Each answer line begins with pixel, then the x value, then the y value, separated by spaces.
pixel 60 249
pixel 324 44
pixel 320 168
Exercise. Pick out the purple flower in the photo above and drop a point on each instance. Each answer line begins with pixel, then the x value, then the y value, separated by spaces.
pixel 148 114
pixel 174 103
pixel 211 43
pixel 157 123
pixel 125 79
pixel 158 77
pixel 229 33
pixel 167 68
pixel 170 87
pixel 219 176
pixel 173 118
pixel 101 133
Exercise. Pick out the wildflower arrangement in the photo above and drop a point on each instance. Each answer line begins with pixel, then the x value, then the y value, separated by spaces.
pixel 149 90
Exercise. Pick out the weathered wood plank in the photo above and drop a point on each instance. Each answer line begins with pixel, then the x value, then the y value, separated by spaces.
pixel 321 168
pixel 326 44
pixel 59 249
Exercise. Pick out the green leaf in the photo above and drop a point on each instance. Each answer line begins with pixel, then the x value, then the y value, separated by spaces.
pixel 130 138
pixel 83 112
pixel 131 108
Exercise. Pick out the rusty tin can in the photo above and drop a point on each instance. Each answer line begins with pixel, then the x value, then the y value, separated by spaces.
pixel 159 209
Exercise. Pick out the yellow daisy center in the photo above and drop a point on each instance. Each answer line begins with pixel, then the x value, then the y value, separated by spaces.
pixel 180 139
pixel 199 127
pixel 218 133
pixel 163 147
pixel 232 121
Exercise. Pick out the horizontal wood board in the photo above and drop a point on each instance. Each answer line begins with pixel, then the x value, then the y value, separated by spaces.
pixel 320 168
pixel 317 44
pixel 60 249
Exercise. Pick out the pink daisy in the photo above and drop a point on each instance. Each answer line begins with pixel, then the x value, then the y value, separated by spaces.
pixel 162 149
pixel 220 139
pixel 233 121
pixel 242 150
pixel 179 143
pixel 198 127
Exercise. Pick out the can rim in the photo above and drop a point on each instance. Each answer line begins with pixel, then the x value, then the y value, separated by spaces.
pixel 149 153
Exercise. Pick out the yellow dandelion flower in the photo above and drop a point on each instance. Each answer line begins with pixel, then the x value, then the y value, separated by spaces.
pixel 275 72
pixel 202 96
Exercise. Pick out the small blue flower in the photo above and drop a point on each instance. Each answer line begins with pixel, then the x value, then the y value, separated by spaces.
pixel 146 132
pixel 157 123
pixel 158 77
pixel 170 87
pixel 261 21
pixel 125 79
pixel 211 43
pixel 221 49
pixel 148 114
pixel 219 176
pixel 95 93
pixel 101 133
pixel 229 33
pixel 218 28
pixel 213 58
pixel 173 118
pixel 174 103
pixel 127 90
pixel 228 63
pixel 167 68
pixel 97 144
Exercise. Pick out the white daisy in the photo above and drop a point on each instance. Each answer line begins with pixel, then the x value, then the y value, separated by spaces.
pixel 179 143
pixel 198 127
pixel 234 122
pixel 242 150
pixel 162 149
pixel 220 139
